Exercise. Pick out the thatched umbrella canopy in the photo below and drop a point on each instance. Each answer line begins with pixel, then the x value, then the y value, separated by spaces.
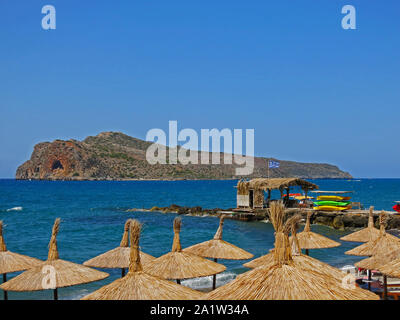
pixel 138 285
pixel 53 273
pixel 367 234
pixel 285 280
pixel 13 262
pixel 118 258
pixel 390 268
pixel 178 265
pixel 218 249
pixel 311 240
pixel 383 244
pixel 299 259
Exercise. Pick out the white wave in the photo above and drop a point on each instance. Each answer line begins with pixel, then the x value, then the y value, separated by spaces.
pixel 15 209
pixel 206 282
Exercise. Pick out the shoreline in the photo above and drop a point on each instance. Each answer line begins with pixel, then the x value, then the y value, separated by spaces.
pixel 357 219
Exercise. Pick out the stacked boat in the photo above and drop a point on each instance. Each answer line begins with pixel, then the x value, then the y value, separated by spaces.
pixel 333 202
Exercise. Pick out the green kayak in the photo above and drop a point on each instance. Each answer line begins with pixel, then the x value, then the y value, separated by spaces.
pixel 333 203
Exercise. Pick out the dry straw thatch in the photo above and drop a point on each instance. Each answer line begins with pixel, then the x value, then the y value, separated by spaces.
pixel 376 262
pixel 243 187
pixel 299 259
pixel 137 285
pixel 285 280
pixel 118 257
pixel 367 234
pixel 66 273
pixel 311 240
pixel 383 244
pixel 179 265
pixel 13 262
pixel 280 183
pixel 218 248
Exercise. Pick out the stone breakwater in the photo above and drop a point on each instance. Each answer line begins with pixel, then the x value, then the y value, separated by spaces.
pixel 352 219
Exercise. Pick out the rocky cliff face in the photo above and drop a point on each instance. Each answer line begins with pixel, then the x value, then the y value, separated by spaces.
pixel 113 155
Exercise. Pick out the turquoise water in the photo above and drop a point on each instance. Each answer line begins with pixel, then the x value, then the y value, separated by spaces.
pixel 93 214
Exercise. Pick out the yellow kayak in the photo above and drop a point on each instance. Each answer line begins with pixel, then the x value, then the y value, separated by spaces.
pixel 331 208
pixel 333 198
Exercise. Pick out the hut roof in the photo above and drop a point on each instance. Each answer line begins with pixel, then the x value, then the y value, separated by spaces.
pixel 385 243
pixel 137 285
pixel 66 273
pixel 280 183
pixel 311 240
pixel 285 280
pixel 182 265
pixel 13 262
pixel 218 248
pixel 117 257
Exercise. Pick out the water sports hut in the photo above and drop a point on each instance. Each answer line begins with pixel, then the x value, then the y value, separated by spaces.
pixel 250 194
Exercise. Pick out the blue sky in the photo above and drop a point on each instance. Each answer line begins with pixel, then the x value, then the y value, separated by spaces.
pixel 312 91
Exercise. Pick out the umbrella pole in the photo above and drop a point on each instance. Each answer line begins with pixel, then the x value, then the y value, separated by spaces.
pixel 55 292
pixel 178 281
pixel 384 287
pixel 369 279
pixel 215 277
pixel 122 272
pixel 5 280
pixel 307 253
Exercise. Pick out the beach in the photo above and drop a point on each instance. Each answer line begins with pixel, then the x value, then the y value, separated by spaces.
pixel 93 215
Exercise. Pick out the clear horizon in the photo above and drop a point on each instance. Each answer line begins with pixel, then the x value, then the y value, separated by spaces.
pixel 312 91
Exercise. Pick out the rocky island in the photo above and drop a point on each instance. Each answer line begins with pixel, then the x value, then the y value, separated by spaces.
pixel 116 156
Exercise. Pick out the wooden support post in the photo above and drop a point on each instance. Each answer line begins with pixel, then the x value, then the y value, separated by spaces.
pixel 215 278
pixel 178 281
pixel 55 292
pixel 5 280
pixel 307 253
pixel 369 279
pixel 385 287
pixel 122 272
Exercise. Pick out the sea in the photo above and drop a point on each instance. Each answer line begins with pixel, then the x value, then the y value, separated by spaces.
pixel 93 214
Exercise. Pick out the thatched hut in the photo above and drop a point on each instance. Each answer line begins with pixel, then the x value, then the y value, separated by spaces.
pixel 138 285
pixel 250 194
pixel 118 258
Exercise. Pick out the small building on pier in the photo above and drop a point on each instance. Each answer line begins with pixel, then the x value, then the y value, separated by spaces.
pixel 250 194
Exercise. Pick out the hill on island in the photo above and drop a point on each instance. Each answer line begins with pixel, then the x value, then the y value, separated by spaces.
pixel 116 156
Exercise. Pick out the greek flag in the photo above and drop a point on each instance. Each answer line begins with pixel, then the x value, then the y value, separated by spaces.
pixel 273 164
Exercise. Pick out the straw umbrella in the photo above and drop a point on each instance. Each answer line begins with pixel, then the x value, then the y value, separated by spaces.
pixel 299 258
pixel 369 233
pixel 53 273
pixel 13 262
pixel 311 240
pixel 218 249
pixel 384 243
pixel 382 261
pixel 118 257
pixel 138 285
pixel 284 279
pixel 391 268
pixel 178 265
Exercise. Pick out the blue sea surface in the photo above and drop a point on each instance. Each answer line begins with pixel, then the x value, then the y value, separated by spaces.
pixel 93 214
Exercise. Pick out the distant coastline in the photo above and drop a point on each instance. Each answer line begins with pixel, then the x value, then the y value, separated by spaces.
pixel 116 156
